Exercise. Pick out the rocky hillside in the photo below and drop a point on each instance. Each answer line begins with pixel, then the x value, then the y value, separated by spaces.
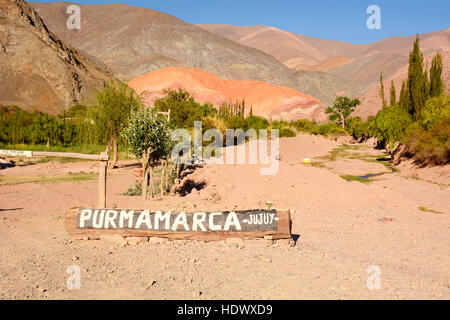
pixel 371 101
pixel 359 63
pixel 133 41
pixel 38 70
pixel 267 100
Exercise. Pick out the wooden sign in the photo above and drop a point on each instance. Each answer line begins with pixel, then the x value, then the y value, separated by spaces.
pixel 207 226
pixel 16 153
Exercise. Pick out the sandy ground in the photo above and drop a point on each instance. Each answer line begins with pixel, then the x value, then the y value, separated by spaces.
pixel 341 228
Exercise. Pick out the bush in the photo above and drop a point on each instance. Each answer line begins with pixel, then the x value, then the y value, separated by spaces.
pixel 356 127
pixel 286 132
pixel 257 123
pixel 134 190
pixel 329 128
pixel 435 109
pixel 236 122
pixel 429 147
pixel 303 125
pixel 184 110
pixel 392 123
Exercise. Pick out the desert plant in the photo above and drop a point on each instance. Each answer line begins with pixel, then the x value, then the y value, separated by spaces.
pixel 149 138
pixel 392 123
pixel 110 110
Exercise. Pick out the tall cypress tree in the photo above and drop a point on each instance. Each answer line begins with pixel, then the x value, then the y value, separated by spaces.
pixel 393 98
pixel 383 99
pixel 417 81
pixel 436 82
pixel 403 101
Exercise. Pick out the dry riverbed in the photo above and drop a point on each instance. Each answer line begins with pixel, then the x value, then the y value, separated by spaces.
pixel 350 210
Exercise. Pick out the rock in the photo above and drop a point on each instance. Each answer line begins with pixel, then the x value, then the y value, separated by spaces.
pixel 132 241
pixel 235 242
pixel 157 240
pixel 114 238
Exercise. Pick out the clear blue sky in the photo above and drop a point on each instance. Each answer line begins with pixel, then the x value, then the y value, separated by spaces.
pixel 330 19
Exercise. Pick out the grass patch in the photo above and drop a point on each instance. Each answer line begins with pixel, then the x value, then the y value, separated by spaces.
pixel 351 178
pixel 78 176
pixel 136 188
pixel 430 210
pixel 317 164
pixel 347 152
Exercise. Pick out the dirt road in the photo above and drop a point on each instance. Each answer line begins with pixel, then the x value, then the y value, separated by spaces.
pixel 342 226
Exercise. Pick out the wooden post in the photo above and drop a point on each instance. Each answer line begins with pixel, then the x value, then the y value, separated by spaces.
pixel 102 183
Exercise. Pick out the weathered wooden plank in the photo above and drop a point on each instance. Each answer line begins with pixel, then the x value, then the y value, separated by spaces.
pixel 207 226
pixel 24 153
pixel 100 157
pixel 16 153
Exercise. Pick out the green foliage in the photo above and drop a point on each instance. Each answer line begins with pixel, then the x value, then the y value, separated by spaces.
pixel 351 178
pixel 436 82
pixel 228 109
pixel 304 125
pixel 417 81
pixel 257 123
pixel 403 101
pixel 110 110
pixel 148 135
pixel 381 92
pixel 19 126
pixel 328 129
pixel 184 110
pixel 435 109
pixel 393 98
pixel 134 190
pixel 286 132
pixel 429 147
pixel 357 127
pixel 236 122
pixel 341 109
pixel 371 126
pixel 392 123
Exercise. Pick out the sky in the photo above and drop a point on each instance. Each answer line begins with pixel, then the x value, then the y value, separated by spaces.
pixel 344 20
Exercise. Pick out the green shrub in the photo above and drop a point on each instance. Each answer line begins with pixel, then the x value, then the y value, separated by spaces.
pixel 236 122
pixel 184 110
pixel 435 109
pixel 134 190
pixel 257 123
pixel 329 128
pixel 429 147
pixel 356 127
pixel 392 123
pixel 286 132
pixel 303 125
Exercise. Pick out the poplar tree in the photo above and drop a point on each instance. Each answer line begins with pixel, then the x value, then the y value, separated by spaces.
pixel 417 81
pixel 436 82
pixel 383 99
pixel 403 101
pixel 393 98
